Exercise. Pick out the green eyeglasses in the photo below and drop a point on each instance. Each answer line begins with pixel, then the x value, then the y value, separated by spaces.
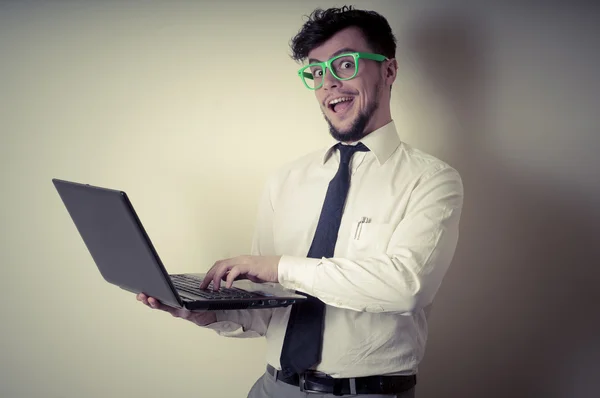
pixel 342 67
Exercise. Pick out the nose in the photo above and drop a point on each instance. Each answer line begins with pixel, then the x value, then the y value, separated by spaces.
pixel 329 81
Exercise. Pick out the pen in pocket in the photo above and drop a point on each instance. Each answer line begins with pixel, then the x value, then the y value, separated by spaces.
pixel 363 220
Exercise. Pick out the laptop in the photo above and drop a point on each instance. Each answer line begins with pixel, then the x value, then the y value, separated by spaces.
pixel 125 256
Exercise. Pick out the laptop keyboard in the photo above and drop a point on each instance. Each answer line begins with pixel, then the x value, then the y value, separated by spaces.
pixel 190 284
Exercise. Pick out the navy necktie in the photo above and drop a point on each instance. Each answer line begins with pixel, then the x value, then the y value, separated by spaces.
pixel 303 338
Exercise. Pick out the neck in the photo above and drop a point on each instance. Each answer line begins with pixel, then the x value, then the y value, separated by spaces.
pixel 378 122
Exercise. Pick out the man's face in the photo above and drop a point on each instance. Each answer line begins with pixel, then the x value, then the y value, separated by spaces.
pixel 361 112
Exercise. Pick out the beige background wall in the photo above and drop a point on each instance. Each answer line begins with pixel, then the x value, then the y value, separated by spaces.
pixel 189 105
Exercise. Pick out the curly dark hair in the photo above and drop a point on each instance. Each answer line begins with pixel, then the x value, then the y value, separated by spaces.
pixel 323 24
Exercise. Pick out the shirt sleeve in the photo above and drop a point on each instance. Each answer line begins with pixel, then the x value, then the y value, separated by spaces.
pixel 407 276
pixel 251 323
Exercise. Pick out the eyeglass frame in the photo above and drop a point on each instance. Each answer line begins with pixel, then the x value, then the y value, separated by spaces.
pixel 327 65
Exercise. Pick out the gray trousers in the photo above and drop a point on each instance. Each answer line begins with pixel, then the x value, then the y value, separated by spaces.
pixel 267 387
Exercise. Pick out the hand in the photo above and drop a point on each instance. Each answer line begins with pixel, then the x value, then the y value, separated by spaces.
pixel 200 318
pixel 256 268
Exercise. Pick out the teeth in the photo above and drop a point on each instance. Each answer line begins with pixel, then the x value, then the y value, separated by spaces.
pixel 338 100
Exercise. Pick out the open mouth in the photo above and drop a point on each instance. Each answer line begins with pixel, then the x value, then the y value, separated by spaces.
pixel 340 105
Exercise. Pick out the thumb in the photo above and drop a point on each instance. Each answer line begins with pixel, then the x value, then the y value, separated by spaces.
pixel 159 306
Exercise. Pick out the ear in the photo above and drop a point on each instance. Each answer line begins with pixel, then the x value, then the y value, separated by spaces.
pixel 390 71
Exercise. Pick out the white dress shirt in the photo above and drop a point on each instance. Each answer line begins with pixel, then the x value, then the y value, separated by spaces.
pixel 384 273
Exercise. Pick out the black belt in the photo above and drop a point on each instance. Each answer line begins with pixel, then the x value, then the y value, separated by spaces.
pixel 317 382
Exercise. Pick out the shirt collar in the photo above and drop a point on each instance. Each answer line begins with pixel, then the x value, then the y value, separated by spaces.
pixel 382 142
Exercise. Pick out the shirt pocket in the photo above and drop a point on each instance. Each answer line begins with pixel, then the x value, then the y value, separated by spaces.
pixel 369 239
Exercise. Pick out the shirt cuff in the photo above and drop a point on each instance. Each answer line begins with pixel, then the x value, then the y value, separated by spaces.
pixel 227 328
pixel 298 273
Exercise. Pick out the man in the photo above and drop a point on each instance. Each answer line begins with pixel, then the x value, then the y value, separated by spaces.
pixel 367 228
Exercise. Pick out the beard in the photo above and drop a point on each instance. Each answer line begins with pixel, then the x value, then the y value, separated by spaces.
pixel 356 131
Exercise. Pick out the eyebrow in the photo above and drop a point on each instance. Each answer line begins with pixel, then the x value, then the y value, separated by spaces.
pixel 338 52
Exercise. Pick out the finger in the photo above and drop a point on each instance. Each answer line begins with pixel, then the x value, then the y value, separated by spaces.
pixel 206 281
pixel 152 302
pixel 176 312
pixel 220 273
pixel 157 305
pixel 143 298
pixel 209 275
pixel 233 274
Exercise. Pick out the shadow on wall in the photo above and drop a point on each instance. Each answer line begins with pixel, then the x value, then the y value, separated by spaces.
pixel 517 315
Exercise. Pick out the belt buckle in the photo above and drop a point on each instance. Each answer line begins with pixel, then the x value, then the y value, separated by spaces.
pixel 302 384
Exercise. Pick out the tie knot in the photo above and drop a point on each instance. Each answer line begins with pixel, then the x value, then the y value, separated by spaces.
pixel 346 151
